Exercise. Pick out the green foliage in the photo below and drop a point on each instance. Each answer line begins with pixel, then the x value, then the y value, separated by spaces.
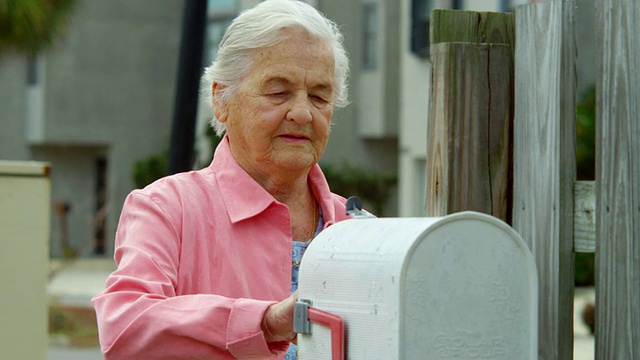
pixel 77 324
pixel 372 187
pixel 214 140
pixel 29 26
pixel 148 170
pixel 585 269
pixel 586 135
pixel 69 252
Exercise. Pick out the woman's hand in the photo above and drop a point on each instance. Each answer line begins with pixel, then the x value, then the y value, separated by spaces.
pixel 277 323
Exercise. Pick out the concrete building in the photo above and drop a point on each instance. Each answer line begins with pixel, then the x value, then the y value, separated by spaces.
pixel 387 122
pixel 103 99
pixel 92 106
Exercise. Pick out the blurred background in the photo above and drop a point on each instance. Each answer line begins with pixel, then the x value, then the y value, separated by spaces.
pixel 90 87
pixel 93 88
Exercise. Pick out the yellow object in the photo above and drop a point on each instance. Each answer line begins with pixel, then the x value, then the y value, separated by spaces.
pixel 25 203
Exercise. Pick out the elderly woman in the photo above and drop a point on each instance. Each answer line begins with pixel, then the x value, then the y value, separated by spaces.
pixel 205 265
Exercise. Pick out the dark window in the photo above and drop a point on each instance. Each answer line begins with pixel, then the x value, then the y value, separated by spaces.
pixel 33 75
pixel 420 13
pixel 370 35
pixel 220 15
pixel 101 205
pixel 215 30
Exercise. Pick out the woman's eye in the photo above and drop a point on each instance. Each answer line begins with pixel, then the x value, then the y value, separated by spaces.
pixel 278 97
pixel 319 100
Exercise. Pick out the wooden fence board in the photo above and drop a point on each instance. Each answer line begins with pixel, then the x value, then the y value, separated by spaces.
pixel 618 181
pixel 470 116
pixel 471 27
pixel 544 162
pixel 584 216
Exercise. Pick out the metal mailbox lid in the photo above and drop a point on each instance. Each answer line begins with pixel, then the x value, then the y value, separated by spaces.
pixel 454 286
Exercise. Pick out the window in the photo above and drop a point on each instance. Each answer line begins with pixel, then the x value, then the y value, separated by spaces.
pixel 215 32
pixel 221 5
pixel 420 13
pixel 33 73
pixel 35 111
pixel 370 35
pixel 220 15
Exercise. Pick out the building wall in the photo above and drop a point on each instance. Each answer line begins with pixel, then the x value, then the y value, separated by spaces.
pixel 13 77
pixel 347 142
pixel 586 43
pixel 414 91
pixel 73 183
pixel 106 92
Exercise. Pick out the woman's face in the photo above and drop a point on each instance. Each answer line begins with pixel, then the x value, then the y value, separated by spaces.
pixel 278 122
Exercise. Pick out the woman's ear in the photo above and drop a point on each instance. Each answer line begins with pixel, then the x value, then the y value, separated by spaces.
pixel 220 107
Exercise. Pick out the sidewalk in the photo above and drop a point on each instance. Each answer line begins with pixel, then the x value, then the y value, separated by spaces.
pixel 76 282
pixel 73 285
pixel 70 289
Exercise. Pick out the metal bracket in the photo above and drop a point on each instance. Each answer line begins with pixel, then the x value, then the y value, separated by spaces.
pixel 304 315
pixel 301 323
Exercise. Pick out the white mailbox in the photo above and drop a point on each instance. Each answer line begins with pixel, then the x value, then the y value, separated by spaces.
pixel 462 286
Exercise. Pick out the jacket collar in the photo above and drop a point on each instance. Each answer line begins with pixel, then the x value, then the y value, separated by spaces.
pixel 245 198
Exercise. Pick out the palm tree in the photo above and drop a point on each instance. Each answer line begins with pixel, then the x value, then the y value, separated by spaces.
pixel 30 26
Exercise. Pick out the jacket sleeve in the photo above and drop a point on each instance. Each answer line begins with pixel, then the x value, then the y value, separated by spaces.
pixel 139 314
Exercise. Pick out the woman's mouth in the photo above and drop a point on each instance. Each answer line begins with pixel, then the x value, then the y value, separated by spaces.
pixel 293 137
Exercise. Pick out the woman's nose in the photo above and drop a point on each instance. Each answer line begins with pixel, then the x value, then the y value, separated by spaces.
pixel 300 110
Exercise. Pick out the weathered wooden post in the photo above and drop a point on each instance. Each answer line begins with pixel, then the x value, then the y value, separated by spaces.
pixel 618 181
pixel 544 162
pixel 470 113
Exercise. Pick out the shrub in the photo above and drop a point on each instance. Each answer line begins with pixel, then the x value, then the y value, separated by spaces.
pixel 148 170
pixel 372 187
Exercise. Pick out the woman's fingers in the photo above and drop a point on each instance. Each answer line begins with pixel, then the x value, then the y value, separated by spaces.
pixel 277 323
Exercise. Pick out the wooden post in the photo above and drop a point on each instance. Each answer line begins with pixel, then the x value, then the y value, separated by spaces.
pixel 468 147
pixel 544 162
pixel 471 27
pixel 618 181
pixel 584 217
pixel 470 114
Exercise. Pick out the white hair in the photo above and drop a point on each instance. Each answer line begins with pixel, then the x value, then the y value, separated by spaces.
pixel 260 27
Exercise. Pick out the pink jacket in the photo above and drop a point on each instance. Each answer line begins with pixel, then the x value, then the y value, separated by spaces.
pixel 201 255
